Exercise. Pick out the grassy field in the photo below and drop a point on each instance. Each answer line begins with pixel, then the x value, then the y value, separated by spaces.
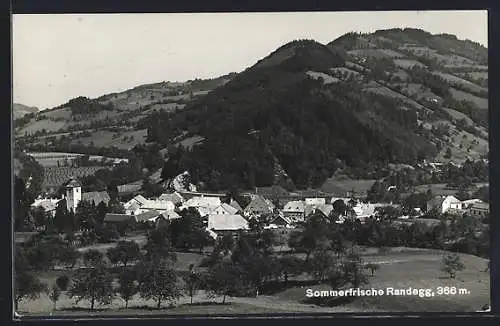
pixel 327 79
pixel 440 188
pixel 460 81
pixel 399 268
pixel 457 115
pixel 459 95
pixel 406 63
pixel 104 138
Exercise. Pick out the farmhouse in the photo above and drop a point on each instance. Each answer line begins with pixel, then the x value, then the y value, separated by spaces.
pixel 444 204
pixel 174 197
pixel 259 206
pixel 158 205
pixel 479 209
pixel 235 205
pixel 225 223
pixel 96 197
pixel 202 201
pixel 295 210
pixel 315 201
pixel 224 209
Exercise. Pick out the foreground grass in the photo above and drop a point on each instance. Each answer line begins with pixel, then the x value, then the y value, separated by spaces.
pixel 399 268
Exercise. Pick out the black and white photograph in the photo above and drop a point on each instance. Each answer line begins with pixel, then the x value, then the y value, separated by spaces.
pixel 235 164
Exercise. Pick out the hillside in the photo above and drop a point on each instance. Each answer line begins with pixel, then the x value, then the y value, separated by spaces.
pixel 20 110
pixel 300 114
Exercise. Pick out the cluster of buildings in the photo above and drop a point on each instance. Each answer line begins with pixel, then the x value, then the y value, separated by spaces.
pixel 452 205
pixel 228 216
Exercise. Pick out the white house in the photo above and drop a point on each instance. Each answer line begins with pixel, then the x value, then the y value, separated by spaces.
pixel 444 204
pixel 49 205
pixel 295 210
pixel 224 209
pixel 315 201
pixel 226 223
pixel 158 205
pixel 200 201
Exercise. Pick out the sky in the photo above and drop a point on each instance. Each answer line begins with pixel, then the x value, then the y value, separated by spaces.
pixel 57 57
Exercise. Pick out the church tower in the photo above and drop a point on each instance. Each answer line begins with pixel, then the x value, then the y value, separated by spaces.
pixel 73 194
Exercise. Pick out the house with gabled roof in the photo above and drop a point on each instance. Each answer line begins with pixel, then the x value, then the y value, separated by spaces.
pixel 259 206
pixel 444 204
pixel 226 223
pixel 295 210
pixel 48 205
pixel 148 216
pixel 96 197
pixel 224 209
pixel 201 201
pixel 235 205
pixel 158 205
pixel 174 197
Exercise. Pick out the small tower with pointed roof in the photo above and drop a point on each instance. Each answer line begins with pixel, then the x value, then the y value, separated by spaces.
pixel 73 194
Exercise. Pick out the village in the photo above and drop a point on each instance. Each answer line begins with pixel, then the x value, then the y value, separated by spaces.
pixel 225 215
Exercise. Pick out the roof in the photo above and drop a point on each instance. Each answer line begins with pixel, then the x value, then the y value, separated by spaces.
pixel 47 204
pixel 96 196
pixel 140 199
pixel 147 215
pixel 227 222
pixel 258 205
pixel 364 210
pixel 110 218
pixel 453 199
pixel 480 205
pixel 158 204
pixel 295 206
pixel 73 183
pixel 235 205
pixel 227 208
pixel 132 206
pixel 174 197
pixel 170 215
pixel 199 201
pixel 325 209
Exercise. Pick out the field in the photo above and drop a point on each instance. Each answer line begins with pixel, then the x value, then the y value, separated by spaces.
pixel 389 92
pixel 464 83
pixel 55 176
pixel 457 115
pixel 47 125
pixel 327 79
pixel 376 53
pixel 399 268
pixel 359 186
pixel 481 103
pixel 440 188
pixel 105 138
pixel 406 64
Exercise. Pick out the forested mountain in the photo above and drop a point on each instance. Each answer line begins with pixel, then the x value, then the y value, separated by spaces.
pixel 298 115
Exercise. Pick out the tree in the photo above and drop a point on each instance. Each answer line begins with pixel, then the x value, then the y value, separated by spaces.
pixel 92 257
pixel 124 252
pixel 54 294
pixel 321 265
pixel 127 285
pixel 158 245
pixel 63 282
pixel 290 266
pixel 61 216
pixel 352 270
pixel 372 267
pixel 158 281
pixel 451 263
pixel 193 282
pixel 68 256
pixel 224 278
pixel 27 286
pixel 93 284
pixel 190 230
pixel 312 237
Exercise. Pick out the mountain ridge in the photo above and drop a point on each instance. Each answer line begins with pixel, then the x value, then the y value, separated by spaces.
pixel 361 100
